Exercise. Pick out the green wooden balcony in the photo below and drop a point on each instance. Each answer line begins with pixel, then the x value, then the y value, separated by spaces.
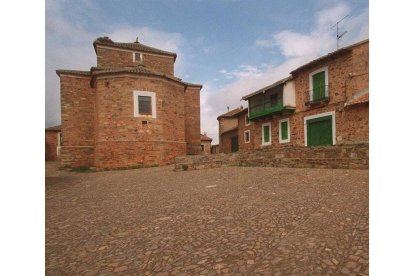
pixel 264 109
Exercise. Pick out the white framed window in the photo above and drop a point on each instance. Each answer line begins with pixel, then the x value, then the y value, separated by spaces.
pixel 318 84
pixel 266 134
pixel 316 116
pixel 247 136
pixel 144 104
pixel 284 131
pixel 136 57
pixel 246 120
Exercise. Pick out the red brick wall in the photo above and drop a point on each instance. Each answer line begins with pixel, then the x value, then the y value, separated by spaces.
pixel 256 132
pixel 107 57
pixel 51 143
pixel 77 115
pixel 163 64
pixel 121 139
pixel 192 120
pixel 353 126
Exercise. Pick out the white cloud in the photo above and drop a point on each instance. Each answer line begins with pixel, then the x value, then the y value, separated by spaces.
pixel 243 71
pixel 297 48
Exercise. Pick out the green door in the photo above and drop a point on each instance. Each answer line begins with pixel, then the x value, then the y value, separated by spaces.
pixel 318 85
pixel 319 131
pixel 234 143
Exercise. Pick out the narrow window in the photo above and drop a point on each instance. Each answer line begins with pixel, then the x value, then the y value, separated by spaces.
pixel 247 136
pixel 144 105
pixel 284 127
pixel 247 120
pixel 266 135
pixel 284 131
pixel 137 57
pixel 318 85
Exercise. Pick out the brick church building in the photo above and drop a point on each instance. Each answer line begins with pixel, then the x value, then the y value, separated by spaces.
pixel 128 110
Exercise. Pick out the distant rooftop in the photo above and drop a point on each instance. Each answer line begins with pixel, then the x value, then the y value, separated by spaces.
pixel 329 55
pixel 136 46
pixel 205 138
pixel 232 113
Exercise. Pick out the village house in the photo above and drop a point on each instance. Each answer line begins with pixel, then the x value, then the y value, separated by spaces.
pixel 53 138
pixel 205 143
pixel 228 130
pixel 324 102
pixel 128 110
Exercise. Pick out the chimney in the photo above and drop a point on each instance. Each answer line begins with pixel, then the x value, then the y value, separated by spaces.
pixel 228 108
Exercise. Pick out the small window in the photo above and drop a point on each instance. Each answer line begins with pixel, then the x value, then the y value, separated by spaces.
pixel 266 134
pixel 247 136
pixel 137 57
pixel 284 131
pixel 202 148
pixel 59 139
pixel 247 120
pixel 144 104
pixel 318 84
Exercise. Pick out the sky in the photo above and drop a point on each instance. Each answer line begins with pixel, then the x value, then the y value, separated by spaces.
pixel 231 47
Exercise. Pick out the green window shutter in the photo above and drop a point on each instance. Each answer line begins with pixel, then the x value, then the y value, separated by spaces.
pixel 319 131
pixel 318 85
pixel 284 130
pixel 266 134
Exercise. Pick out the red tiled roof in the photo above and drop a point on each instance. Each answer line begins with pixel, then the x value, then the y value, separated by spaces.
pixel 140 69
pixel 136 46
pixel 232 113
pixel 329 55
pixel 73 72
pixel 54 128
pixel 205 138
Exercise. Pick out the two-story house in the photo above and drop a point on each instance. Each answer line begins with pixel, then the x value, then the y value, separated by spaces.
pixel 269 111
pixel 128 110
pixel 324 102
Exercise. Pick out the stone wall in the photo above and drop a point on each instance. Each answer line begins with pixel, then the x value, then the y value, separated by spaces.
pixel 334 157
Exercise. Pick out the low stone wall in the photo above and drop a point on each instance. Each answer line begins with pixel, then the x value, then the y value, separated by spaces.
pixel 332 157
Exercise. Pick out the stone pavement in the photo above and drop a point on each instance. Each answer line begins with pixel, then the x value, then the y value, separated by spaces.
pixel 225 221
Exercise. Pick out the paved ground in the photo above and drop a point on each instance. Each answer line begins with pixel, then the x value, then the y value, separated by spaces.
pixel 226 221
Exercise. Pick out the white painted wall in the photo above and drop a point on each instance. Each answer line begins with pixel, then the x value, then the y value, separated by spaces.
pixel 289 94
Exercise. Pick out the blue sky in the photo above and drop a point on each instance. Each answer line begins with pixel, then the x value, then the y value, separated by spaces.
pixel 231 47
